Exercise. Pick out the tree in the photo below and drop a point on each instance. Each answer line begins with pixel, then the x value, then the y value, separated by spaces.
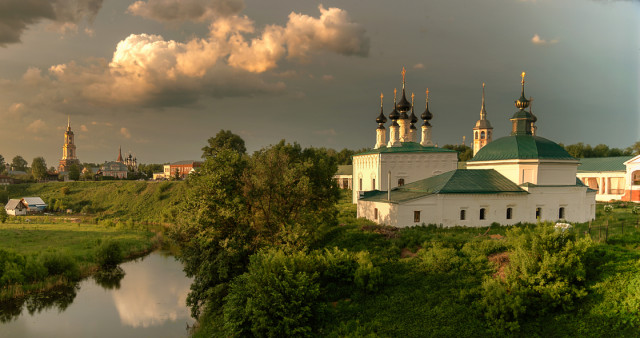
pixel 465 153
pixel 237 204
pixel 224 139
pixel 19 163
pixel 88 175
pixel 74 172
pixel 39 168
pixel 3 167
pixel 634 149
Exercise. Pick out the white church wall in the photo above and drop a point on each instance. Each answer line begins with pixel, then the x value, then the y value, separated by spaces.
pixel 410 167
pixel 557 173
pixel 446 209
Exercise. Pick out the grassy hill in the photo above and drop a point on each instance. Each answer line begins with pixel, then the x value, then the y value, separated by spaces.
pixel 135 200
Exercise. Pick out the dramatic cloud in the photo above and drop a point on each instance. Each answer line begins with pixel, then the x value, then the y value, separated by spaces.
pixel 125 132
pixel 147 70
pixel 16 15
pixel 537 40
pixel 36 126
pixel 185 10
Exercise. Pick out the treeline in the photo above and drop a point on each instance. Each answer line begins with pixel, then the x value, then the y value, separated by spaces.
pixel 580 150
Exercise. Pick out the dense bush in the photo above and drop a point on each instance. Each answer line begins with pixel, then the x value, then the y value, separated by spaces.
pixel 439 259
pixel 59 263
pixel 285 294
pixel 546 271
pixel 109 254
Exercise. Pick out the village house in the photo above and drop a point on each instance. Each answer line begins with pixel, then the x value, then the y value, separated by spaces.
pixel 181 168
pixel 34 204
pixel 16 207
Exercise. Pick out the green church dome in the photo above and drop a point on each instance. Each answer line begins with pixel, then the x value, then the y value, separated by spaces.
pixel 523 147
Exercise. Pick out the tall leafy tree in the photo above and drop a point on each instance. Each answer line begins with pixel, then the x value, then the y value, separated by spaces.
pixel 237 204
pixel 2 165
pixel 19 163
pixel 39 168
pixel 224 139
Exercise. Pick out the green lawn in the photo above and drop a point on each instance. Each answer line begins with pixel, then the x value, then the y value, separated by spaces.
pixel 80 240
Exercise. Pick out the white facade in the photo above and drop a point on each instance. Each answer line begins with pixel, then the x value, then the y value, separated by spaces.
pixel 550 203
pixel 371 171
pixel 617 179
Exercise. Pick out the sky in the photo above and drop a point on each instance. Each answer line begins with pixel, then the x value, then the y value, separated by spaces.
pixel 159 77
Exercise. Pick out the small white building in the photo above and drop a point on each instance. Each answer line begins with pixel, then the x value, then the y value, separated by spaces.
pixel 516 178
pixel 609 177
pixel 344 177
pixel 16 207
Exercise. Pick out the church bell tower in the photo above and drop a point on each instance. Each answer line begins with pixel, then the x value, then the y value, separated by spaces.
pixel 482 132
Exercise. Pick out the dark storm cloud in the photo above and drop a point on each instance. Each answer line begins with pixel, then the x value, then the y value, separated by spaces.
pixel 17 15
pixel 185 10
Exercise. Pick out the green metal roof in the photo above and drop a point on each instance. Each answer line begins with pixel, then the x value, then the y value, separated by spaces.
pixel 603 164
pixel 345 170
pixel 460 181
pixel 521 147
pixel 407 147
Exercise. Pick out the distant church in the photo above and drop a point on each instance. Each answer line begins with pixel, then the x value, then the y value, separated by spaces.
pixel 516 178
pixel 69 156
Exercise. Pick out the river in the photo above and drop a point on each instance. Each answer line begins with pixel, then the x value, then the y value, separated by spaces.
pixel 148 302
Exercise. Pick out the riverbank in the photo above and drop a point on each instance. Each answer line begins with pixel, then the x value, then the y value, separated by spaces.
pixel 36 258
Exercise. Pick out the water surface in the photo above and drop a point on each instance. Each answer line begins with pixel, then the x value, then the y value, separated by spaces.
pixel 148 302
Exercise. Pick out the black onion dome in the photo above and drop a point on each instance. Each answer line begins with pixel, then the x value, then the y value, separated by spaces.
pixel 404 105
pixel 394 114
pixel 413 116
pixel 426 116
pixel 381 118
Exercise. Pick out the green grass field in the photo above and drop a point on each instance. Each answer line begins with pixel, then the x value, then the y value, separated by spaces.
pixel 153 202
pixel 80 240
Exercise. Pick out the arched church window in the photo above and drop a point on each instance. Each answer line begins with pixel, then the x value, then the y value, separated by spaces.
pixel 483 213
pixel 561 213
pixel 538 212
pixel 509 213
pixel 476 135
pixel 463 215
pixel 400 182
pixel 482 135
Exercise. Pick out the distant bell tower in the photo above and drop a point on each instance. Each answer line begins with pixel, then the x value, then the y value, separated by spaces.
pixel 68 149
pixel 482 132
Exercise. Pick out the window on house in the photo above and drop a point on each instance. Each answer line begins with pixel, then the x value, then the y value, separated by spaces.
pixel 538 212
pixel 360 184
pixel 463 215
pixel 345 183
pixel 373 183
pixel 375 213
pixel 416 216
pixel 400 182
pixel 561 213
pixel 509 213
pixel 483 212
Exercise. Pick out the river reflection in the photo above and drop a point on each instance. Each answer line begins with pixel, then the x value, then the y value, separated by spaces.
pixel 148 302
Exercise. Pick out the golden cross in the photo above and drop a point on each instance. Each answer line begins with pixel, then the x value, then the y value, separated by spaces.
pixel 395 91
pixel 412 96
pixel 381 96
pixel 403 73
pixel 523 77
pixel 427 91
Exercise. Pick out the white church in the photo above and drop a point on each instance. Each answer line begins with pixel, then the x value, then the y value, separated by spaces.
pixel 516 178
